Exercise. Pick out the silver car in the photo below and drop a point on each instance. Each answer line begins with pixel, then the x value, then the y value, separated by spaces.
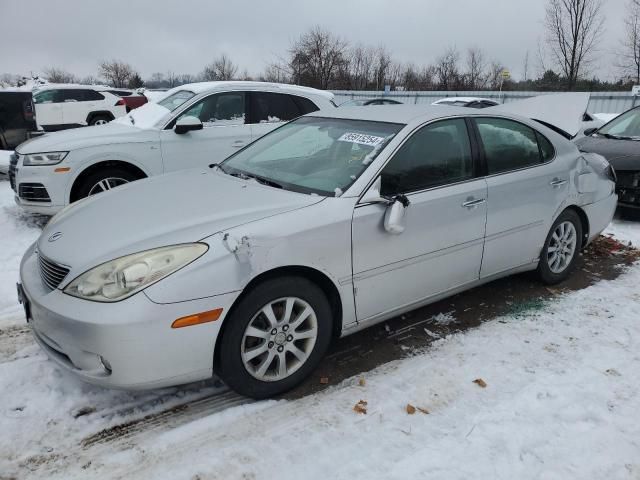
pixel 328 225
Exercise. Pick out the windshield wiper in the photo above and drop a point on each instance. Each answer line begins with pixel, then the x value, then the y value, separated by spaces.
pixel 248 176
pixel 262 180
pixel 616 137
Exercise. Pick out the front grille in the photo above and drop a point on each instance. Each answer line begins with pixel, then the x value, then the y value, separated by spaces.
pixel 628 187
pixel 52 273
pixel 13 162
pixel 33 192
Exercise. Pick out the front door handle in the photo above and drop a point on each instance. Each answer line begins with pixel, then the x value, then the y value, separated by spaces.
pixel 238 144
pixel 557 182
pixel 473 203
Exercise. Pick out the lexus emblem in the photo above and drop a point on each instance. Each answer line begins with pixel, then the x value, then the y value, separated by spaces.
pixel 55 236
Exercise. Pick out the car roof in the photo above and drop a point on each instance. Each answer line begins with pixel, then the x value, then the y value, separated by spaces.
pixel 401 113
pixel 464 99
pixel 202 87
pixel 73 86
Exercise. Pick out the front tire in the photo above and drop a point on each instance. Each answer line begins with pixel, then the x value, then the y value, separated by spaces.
pixel 275 337
pixel 104 180
pixel 561 248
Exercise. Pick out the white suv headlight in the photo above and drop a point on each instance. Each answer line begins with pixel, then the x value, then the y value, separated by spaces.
pixel 46 158
pixel 120 278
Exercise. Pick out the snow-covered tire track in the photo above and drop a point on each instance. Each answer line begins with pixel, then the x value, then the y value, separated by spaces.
pixel 13 339
pixel 170 418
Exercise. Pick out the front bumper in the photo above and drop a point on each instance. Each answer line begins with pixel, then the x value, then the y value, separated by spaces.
pixel 128 344
pixel 43 179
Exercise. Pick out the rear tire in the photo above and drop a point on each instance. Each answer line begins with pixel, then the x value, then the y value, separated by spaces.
pixel 99 120
pixel 256 356
pixel 561 248
pixel 104 180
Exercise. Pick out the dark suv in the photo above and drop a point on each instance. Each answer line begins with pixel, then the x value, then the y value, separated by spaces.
pixel 17 118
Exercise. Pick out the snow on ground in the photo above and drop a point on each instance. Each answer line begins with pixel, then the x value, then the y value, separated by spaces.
pixel 560 402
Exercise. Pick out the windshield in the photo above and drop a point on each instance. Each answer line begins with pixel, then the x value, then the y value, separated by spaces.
pixel 174 100
pixel 353 103
pixel 626 125
pixel 313 154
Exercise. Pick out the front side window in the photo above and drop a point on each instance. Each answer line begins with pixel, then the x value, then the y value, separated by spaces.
pixel 219 109
pixel 174 100
pixel 313 154
pixel 508 145
pixel 269 107
pixel 626 126
pixel 435 155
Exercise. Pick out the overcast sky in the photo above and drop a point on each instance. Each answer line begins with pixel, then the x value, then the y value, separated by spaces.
pixel 159 35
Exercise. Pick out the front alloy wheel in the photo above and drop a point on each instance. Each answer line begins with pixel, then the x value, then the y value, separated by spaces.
pixel 279 339
pixel 274 337
pixel 107 184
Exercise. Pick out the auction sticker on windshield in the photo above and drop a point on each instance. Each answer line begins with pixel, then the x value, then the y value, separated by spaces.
pixel 361 139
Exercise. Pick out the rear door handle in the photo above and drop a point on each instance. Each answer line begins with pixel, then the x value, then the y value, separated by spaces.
pixel 473 203
pixel 557 182
pixel 238 144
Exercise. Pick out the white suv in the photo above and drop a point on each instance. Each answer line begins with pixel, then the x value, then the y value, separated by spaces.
pixel 58 108
pixel 192 126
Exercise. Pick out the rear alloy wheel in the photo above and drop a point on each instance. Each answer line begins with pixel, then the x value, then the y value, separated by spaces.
pixel 561 248
pixel 275 337
pixel 99 120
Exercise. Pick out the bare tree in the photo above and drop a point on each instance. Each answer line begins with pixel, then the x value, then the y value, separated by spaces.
pixel 116 72
pixel 495 78
pixel 276 72
pixel 222 68
pixel 525 67
pixel 447 71
pixel 476 76
pixel 361 65
pixel 382 68
pixel 90 80
pixel 573 30
pixel 59 75
pixel 316 57
pixel 630 54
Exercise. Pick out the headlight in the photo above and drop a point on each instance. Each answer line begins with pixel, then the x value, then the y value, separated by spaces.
pixel 120 278
pixel 47 158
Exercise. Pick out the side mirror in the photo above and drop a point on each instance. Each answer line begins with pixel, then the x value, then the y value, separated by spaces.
pixel 187 124
pixel 394 216
pixel 590 131
pixel 396 207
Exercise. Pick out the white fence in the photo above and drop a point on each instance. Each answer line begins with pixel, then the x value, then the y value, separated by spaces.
pixel 600 102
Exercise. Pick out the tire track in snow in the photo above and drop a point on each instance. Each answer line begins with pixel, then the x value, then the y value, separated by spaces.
pixel 173 417
pixel 13 339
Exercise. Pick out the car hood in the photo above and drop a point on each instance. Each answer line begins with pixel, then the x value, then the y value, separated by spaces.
pixel 180 207
pixel 76 138
pixel 563 110
pixel 622 154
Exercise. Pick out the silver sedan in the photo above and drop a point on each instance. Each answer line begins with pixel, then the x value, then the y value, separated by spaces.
pixel 328 225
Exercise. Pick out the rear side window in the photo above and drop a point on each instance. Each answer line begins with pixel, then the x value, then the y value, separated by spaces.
pixel 509 145
pixel 305 105
pixel 437 154
pixel 92 95
pixel 273 107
